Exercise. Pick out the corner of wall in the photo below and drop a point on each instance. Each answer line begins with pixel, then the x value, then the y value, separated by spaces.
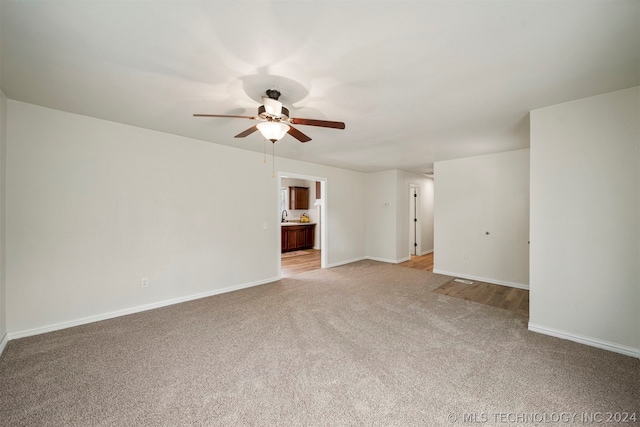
pixel 381 215
pixel 482 217
pixel 3 191
pixel 388 215
pixel 568 223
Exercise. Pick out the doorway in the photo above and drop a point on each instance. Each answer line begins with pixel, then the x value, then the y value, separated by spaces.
pixel 415 226
pixel 302 232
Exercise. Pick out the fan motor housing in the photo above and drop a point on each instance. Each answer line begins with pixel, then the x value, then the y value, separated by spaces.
pixel 284 115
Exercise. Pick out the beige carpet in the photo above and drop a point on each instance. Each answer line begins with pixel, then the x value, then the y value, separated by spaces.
pixel 362 344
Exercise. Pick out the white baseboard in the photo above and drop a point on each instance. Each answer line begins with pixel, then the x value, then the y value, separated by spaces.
pixel 127 311
pixel 3 343
pixel 375 258
pixel 483 279
pixel 430 251
pixel 390 261
pixel 372 258
pixel 593 342
pixel 349 261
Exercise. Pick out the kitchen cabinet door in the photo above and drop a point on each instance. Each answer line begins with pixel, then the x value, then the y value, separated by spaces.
pixel 299 198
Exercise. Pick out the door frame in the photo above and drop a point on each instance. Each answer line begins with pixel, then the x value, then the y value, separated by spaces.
pixel 324 218
pixel 415 227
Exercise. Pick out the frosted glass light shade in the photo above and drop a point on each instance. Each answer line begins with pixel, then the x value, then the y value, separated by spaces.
pixel 273 131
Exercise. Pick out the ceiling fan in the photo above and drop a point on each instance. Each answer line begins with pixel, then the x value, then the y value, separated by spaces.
pixel 275 121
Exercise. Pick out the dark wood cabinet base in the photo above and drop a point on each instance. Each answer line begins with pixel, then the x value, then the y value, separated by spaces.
pixel 295 237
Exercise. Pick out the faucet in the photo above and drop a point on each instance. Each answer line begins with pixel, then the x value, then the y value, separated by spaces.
pixel 284 215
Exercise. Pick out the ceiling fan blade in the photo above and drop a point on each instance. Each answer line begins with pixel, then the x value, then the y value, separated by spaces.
pixel 223 115
pixel 298 135
pixel 247 132
pixel 321 123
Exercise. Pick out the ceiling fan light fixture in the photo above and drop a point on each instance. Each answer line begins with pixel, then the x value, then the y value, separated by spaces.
pixel 273 131
pixel 274 120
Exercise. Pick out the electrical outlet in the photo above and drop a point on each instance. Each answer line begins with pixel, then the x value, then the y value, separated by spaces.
pixel 144 282
pixel 465 255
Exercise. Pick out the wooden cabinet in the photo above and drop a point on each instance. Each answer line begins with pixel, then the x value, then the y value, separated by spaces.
pixel 295 237
pixel 298 198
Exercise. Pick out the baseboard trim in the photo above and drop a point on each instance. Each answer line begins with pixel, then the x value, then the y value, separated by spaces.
pixel 430 251
pixel 593 342
pixel 349 261
pixel 3 343
pixel 132 310
pixel 387 260
pixel 483 279
pixel 375 258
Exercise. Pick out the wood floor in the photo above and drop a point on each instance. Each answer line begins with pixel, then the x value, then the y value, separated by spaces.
pixel 292 265
pixel 506 297
pixel 424 262
pixel 484 293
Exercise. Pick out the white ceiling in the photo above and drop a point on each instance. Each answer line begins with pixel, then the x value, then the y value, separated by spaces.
pixel 414 81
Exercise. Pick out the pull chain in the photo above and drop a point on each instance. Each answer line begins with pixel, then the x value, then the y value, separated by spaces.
pixel 273 157
pixel 265 151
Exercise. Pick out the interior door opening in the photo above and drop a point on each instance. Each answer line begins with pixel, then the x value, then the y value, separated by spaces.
pixel 302 218
pixel 414 220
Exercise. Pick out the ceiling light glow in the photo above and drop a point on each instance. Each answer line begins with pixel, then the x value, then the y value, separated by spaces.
pixel 273 131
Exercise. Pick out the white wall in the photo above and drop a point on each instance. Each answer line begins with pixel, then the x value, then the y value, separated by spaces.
pixel 585 221
pixel 428 220
pixel 94 206
pixel 381 215
pixel 345 199
pixel 387 215
pixel 477 195
pixel 3 146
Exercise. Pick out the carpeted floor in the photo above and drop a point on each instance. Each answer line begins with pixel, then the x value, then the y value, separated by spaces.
pixel 362 344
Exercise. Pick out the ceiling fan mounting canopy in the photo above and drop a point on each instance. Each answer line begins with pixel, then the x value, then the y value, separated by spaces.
pixel 272 114
pixel 273 94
